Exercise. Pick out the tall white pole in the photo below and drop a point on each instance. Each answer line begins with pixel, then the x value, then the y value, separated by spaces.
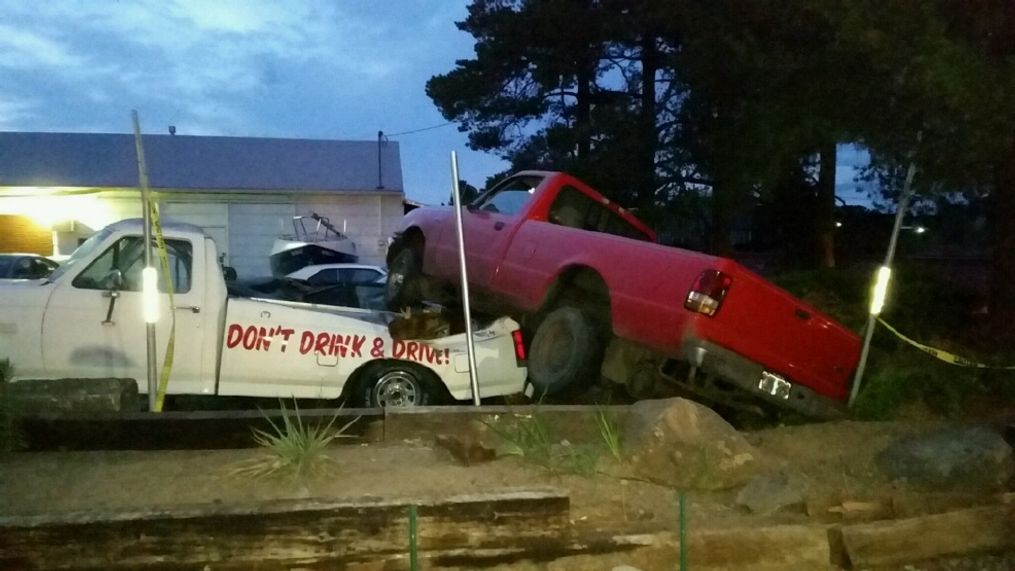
pixel 469 344
pixel 146 205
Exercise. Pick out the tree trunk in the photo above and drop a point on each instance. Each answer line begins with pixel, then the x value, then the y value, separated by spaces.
pixel 647 139
pixel 824 212
pixel 723 213
pixel 583 114
pixel 1002 271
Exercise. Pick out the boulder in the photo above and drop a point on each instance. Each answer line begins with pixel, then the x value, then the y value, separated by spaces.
pixel 968 458
pixel 684 445
pixel 772 492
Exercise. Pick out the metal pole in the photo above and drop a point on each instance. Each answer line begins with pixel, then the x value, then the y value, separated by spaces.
pixel 146 202
pixel 683 530
pixel 470 346
pixel 380 138
pixel 872 318
pixel 413 539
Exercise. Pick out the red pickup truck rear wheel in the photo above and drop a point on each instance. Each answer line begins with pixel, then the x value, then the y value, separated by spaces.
pixel 566 352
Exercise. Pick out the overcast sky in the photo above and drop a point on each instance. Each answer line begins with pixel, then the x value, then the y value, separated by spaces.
pixel 319 69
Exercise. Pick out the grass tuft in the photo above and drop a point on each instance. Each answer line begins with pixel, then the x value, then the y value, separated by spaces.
pixel 294 447
pixel 609 433
pixel 531 438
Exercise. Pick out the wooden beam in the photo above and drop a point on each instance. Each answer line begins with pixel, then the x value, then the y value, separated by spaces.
pixel 178 430
pixel 274 534
pixel 909 540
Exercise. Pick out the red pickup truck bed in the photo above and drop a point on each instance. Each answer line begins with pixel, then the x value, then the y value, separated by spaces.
pixel 588 280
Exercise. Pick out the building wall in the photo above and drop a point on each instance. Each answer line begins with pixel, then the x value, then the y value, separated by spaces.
pixel 69 235
pixel 253 228
pixel 244 226
pixel 369 220
pixel 22 234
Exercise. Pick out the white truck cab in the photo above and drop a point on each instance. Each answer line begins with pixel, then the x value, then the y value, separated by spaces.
pixel 85 321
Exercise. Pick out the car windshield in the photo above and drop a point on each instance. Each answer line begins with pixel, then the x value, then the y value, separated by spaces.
pixel 82 251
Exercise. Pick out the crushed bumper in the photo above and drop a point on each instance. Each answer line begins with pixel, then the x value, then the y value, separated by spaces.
pixel 756 380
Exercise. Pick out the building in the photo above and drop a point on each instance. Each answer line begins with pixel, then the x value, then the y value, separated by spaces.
pixel 56 189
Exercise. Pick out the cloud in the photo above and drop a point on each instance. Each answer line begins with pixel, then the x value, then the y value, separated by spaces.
pixel 13 111
pixel 25 49
pixel 190 53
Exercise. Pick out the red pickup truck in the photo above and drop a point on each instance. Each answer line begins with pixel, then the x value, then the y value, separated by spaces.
pixel 599 297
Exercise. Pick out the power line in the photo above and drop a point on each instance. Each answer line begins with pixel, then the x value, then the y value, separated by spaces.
pixel 420 130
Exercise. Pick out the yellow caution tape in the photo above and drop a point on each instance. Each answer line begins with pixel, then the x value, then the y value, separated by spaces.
pixel 167 364
pixel 941 354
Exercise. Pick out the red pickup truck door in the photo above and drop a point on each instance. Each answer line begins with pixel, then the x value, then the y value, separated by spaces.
pixel 485 233
pixel 489 225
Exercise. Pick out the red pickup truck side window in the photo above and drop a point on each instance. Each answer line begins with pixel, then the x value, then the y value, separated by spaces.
pixel 575 209
pixel 510 197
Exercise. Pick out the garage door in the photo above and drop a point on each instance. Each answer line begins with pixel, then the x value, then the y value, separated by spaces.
pixel 252 232
pixel 212 218
pixel 22 234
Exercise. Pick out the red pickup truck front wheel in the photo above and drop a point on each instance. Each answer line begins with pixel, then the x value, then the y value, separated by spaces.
pixel 403 287
pixel 566 352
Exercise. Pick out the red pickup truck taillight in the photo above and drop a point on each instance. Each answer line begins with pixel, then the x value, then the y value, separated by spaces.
pixel 519 341
pixel 708 291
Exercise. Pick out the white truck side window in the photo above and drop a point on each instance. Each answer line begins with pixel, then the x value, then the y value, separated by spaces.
pixel 127 256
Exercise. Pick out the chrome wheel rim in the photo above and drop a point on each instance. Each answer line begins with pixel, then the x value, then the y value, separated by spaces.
pixel 396 389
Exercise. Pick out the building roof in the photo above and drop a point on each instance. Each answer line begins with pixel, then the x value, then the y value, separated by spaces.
pixel 182 162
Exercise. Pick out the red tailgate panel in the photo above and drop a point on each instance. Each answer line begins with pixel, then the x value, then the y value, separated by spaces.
pixel 791 338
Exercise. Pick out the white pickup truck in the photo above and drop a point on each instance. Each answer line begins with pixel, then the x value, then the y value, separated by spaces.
pixel 85 321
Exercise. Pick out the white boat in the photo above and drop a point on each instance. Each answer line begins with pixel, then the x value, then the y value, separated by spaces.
pixel 310 244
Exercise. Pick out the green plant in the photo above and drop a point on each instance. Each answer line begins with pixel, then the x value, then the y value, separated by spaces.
pixel 531 438
pixel 578 459
pixel 910 377
pixel 295 447
pixel 11 437
pixel 527 436
pixel 609 432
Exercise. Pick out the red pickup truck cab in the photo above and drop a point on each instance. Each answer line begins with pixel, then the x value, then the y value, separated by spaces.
pixel 599 297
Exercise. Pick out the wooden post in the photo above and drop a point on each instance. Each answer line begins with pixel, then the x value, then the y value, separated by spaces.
pixel 273 534
pixel 909 540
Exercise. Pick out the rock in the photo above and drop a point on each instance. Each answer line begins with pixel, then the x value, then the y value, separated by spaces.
pixel 968 458
pixel 470 445
pixel 771 492
pixel 466 450
pixel 684 445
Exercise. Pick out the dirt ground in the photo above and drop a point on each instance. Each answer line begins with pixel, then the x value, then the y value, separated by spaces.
pixel 836 460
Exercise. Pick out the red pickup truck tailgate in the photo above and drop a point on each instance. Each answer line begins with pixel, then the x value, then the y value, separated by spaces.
pixel 787 336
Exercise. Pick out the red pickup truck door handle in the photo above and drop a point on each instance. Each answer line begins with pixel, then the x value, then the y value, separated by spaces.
pixel 498 225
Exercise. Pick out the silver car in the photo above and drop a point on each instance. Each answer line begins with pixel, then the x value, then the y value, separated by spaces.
pixel 25 266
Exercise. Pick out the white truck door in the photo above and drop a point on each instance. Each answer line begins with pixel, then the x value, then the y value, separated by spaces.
pixel 93 325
